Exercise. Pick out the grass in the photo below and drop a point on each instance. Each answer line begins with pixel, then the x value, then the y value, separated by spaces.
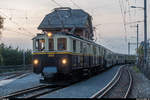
pixel 136 69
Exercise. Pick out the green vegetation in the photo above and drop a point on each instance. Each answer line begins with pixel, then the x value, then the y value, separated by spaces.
pixel 11 56
pixel 140 51
pixel 1 22
pixel 136 69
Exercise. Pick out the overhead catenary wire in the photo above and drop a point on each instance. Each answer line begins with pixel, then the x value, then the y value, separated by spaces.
pixel 135 9
pixel 79 7
pixel 56 3
pixel 20 33
pixel 28 32
pixel 75 4
pixel 129 10
pixel 123 13
pixel 129 5
pixel 96 39
pixel 131 19
pixel 106 41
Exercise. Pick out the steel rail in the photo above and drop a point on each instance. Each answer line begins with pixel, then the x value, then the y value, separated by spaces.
pixel 8 77
pixel 21 92
pixel 130 84
pixel 15 75
pixel 42 93
pixel 96 95
pixel 114 81
pixel 110 87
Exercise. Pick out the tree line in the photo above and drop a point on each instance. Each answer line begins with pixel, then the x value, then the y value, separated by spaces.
pixel 14 56
pixel 1 24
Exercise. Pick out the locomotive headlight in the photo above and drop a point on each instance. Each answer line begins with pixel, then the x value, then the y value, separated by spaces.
pixel 36 61
pixel 49 34
pixel 64 61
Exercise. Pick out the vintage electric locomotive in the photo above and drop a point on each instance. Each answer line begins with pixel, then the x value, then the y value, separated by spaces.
pixel 66 45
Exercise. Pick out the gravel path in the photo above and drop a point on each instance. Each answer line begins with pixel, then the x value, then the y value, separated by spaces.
pixel 141 85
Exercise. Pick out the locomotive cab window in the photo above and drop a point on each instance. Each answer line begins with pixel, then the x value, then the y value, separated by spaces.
pixel 40 44
pixel 51 44
pixel 62 43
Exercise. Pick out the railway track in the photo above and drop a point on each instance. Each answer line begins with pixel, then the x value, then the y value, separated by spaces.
pixel 112 90
pixel 15 75
pixel 33 92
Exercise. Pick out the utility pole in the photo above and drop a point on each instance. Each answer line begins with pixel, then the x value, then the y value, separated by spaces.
pixel 129 44
pixel 137 32
pixel 137 35
pixel 137 42
pixel 145 31
pixel 128 48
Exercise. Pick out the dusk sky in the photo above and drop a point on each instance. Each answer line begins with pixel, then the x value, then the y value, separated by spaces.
pixel 22 18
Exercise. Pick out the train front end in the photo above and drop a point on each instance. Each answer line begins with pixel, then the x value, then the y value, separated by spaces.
pixel 51 55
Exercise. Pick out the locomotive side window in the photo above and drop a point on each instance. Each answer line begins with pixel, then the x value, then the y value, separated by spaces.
pixel 51 44
pixel 74 45
pixel 40 44
pixel 62 43
pixel 94 50
pixel 81 47
pixel 37 44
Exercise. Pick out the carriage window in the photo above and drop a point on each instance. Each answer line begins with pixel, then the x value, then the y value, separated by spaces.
pixel 81 47
pixel 51 44
pixel 62 44
pixel 74 45
pixel 40 44
pixel 100 51
pixel 94 50
pixel 36 44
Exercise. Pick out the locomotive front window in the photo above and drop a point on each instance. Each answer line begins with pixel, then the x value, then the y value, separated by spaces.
pixel 51 44
pixel 62 43
pixel 40 44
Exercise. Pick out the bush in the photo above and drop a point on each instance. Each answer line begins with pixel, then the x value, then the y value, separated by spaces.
pixel 136 69
pixel 10 56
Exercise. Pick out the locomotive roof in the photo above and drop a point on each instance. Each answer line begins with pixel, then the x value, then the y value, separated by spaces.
pixel 65 17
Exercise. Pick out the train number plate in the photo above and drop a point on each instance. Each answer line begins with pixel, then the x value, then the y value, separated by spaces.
pixel 51 55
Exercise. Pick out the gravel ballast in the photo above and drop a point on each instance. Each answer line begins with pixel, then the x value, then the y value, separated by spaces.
pixel 140 86
pixel 120 88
